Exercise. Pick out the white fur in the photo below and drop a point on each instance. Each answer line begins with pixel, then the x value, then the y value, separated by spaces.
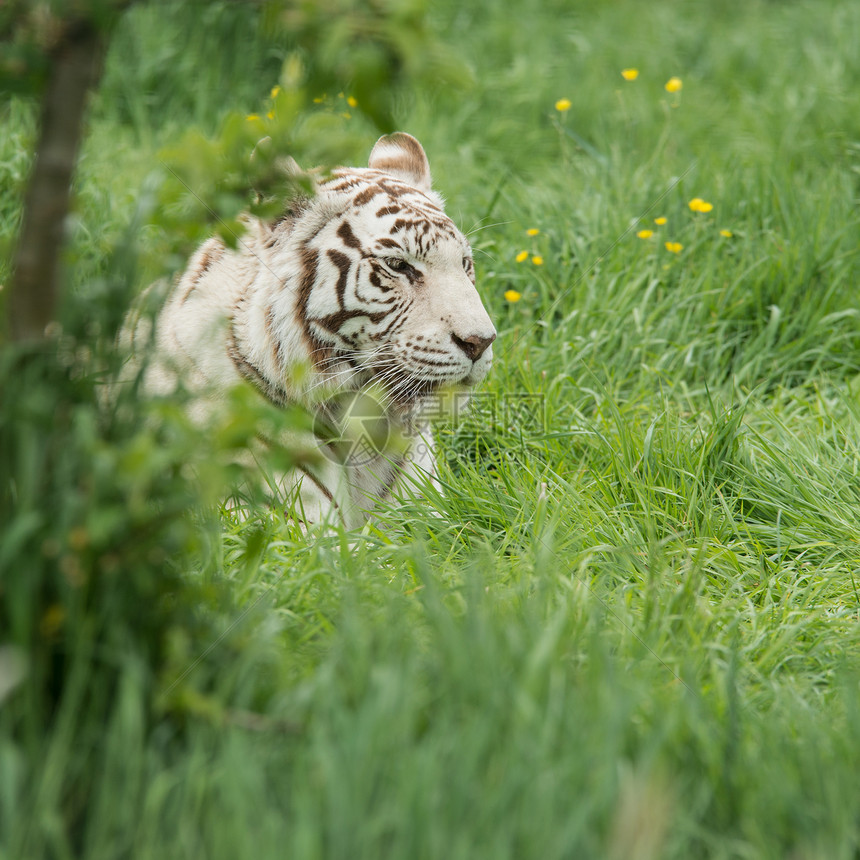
pixel 249 314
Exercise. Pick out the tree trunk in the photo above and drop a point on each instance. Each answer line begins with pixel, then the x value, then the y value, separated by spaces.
pixel 35 284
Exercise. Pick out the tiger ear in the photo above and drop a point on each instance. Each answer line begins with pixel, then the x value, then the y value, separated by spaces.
pixel 402 156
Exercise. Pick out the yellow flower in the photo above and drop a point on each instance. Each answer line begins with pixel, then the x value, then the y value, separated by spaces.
pixel 727 233
pixel 512 296
pixel 645 234
pixel 523 255
pixel 563 104
pixel 352 101
pixel 271 114
pixel 275 90
pixel 252 116
pixel 699 205
pixel 538 261
pixel 532 231
pixel 660 221
pixel 674 247
pixel 630 74
pixel 319 99
pixel 674 85
pixel 52 620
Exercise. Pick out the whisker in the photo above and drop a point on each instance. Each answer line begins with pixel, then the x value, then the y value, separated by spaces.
pixel 485 253
pixel 348 372
pixel 478 227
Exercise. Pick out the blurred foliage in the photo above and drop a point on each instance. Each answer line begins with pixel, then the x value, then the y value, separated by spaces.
pixel 368 46
pixel 31 31
pixel 109 564
pixel 96 554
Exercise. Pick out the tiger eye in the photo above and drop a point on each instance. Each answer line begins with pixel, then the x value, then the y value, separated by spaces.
pixel 399 265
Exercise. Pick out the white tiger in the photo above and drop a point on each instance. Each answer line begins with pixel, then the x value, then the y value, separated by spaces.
pixel 367 285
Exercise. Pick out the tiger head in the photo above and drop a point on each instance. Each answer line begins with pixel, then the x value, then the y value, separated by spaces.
pixel 385 287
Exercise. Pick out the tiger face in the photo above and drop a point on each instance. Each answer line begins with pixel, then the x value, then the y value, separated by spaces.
pixel 386 290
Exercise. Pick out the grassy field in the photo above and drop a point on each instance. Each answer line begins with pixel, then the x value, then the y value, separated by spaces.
pixel 633 631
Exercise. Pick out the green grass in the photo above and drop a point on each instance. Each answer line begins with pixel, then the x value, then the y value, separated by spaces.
pixel 633 629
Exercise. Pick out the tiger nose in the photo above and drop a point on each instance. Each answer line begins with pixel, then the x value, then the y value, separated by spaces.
pixel 475 345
